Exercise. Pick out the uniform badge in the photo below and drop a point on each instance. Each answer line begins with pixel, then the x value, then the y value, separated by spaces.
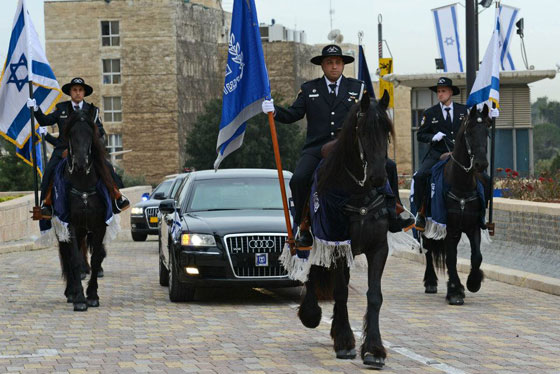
pixel 313 95
pixel 314 90
pixel 352 93
pixel 423 120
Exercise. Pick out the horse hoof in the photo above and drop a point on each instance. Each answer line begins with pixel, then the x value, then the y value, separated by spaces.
pixel 93 303
pixel 83 276
pixel 474 280
pixel 374 362
pixel 455 300
pixel 431 289
pixel 69 299
pixel 80 307
pixel 100 274
pixel 346 354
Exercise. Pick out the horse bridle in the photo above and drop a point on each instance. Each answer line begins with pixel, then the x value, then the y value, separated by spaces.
pixel 362 182
pixel 71 164
pixel 469 151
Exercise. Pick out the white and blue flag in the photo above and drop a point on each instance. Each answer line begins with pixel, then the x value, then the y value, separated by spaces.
pixel 26 61
pixel 246 83
pixel 447 34
pixel 508 15
pixel 486 87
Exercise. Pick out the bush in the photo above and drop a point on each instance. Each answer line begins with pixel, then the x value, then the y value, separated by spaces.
pixel 130 180
pixel 544 188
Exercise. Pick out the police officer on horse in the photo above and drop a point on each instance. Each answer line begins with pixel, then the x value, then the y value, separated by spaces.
pixel 77 89
pixel 325 102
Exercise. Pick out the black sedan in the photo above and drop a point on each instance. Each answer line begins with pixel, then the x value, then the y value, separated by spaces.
pixel 225 228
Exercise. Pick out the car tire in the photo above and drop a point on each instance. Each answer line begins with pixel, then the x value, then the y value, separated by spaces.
pixel 139 237
pixel 163 274
pixel 177 291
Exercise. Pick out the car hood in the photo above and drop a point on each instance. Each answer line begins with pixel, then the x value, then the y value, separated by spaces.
pixel 235 221
pixel 148 203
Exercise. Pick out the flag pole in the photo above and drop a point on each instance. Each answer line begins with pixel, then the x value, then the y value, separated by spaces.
pixel 490 225
pixel 33 150
pixel 281 180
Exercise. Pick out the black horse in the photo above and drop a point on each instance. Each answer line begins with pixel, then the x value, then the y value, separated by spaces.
pixel 465 210
pixel 356 168
pixel 85 170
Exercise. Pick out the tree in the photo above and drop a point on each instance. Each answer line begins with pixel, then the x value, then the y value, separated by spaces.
pixel 546 141
pixel 15 174
pixel 544 111
pixel 256 151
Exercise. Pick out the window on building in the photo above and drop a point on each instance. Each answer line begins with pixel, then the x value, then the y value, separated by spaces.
pixel 111 71
pixel 114 144
pixel 112 109
pixel 110 33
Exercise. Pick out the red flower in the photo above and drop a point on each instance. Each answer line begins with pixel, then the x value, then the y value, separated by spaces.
pixel 508 170
pixel 515 174
pixel 499 170
pixel 550 180
pixel 541 179
pixel 530 188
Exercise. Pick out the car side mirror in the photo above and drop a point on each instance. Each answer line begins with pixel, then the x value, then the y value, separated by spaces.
pixel 158 196
pixel 167 206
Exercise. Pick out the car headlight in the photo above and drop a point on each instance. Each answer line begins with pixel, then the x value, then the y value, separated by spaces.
pixel 198 240
pixel 136 210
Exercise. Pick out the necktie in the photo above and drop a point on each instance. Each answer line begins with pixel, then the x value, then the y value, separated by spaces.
pixel 76 107
pixel 332 92
pixel 448 116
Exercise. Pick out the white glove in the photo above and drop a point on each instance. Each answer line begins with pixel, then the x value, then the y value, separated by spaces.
pixel 437 137
pixel 268 106
pixel 31 103
pixel 43 130
pixel 494 113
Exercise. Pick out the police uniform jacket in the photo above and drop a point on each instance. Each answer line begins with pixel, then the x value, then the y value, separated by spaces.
pixel 325 114
pixel 433 122
pixel 60 115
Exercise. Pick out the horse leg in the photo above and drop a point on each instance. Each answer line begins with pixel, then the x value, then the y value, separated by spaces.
pixel 476 275
pixel 97 257
pixel 309 311
pixel 430 277
pixel 341 332
pixel 64 250
pixel 455 290
pixel 372 350
pixel 76 263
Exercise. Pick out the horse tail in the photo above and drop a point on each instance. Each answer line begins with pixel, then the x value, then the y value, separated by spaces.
pixel 437 249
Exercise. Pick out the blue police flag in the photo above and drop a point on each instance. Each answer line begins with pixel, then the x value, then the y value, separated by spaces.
pixel 246 82
pixel 363 73
pixel 26 153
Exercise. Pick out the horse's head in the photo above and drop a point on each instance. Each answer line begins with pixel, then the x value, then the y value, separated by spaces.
pixel 373 128
pixel 80 133
pixel 476 137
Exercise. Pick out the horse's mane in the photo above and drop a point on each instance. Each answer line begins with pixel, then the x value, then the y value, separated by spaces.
pixel 97 147
pixel 329 172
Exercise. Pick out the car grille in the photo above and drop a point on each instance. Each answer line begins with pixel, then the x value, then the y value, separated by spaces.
pixel 152 212
pixel 242 250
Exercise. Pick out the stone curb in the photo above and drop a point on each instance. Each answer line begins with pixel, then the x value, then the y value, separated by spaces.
pixel 510 276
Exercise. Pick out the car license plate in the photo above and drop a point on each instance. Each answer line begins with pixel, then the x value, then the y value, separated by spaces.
pixel 153 220
pixel 261 259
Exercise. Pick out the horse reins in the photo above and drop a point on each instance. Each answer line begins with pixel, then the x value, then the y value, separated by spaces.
pixel 362 182
pixel 71 165
pixel 469 151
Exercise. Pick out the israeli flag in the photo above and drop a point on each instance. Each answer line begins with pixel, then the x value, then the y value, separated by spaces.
pixel 486 87
pixel 246 83
pixel 26 153
pixel 508 15
pixel 445 19
pixel 26 61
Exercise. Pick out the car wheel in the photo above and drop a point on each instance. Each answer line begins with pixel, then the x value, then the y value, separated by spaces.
pixel 139 237
pixel 177 291
pixel 163 274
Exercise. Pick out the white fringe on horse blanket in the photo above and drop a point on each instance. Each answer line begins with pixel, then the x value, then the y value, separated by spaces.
pixel 325 253
pixel 60 233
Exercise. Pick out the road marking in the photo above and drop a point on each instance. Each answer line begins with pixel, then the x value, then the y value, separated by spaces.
pixel 412 355
pixel 38 353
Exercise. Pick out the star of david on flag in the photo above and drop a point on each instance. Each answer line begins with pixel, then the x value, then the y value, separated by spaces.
pixel 445 21
pixel 26 61
pixel 246 83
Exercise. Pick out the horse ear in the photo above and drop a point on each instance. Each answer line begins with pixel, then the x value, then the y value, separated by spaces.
pixel 364 103
pixel 485 111
pixel 384 102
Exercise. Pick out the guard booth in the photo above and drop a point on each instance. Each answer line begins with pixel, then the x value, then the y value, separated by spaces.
pixel 514 130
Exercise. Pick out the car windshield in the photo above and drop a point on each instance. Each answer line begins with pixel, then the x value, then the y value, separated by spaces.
pixel 163 187
pixel 233 194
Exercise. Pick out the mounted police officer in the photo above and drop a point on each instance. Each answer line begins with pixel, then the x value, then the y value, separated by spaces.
pixel 77 89
pixel 438 128
pixel 325 102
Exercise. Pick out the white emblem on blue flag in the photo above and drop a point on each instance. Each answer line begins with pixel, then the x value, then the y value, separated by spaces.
pixel 445 20
pixel 26 61
pixel 246 82
pixel 486 87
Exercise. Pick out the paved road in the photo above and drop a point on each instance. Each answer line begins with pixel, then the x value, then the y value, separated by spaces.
pixel 501 329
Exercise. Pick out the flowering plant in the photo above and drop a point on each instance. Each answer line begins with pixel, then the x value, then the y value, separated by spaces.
pixel 544 188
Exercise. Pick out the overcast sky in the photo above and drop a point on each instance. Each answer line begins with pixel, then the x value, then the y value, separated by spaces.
pixel 408 28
